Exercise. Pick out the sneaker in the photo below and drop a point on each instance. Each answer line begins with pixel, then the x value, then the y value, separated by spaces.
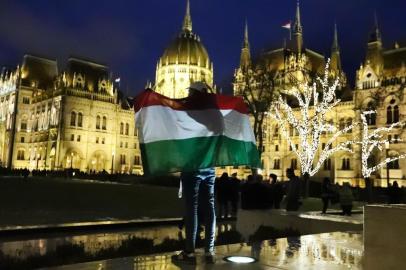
pixel 210 257
pixel 184 257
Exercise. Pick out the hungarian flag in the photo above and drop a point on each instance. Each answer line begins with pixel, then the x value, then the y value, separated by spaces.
pixel 286 25
pixel 201 131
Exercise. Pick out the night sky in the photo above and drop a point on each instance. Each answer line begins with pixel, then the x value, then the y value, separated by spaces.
pixel 131 35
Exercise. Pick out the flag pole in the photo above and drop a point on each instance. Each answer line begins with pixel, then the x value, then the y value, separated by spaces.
pixel 290 30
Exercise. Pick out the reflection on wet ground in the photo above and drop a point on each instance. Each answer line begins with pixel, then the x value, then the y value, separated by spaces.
pixel 93 243
pixel 320 251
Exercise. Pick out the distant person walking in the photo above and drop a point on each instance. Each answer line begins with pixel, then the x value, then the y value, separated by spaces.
pixel 222 195
pixel 394 193
pixel 293 191
pixel 326 193
pixel 234 193
pixel 346 198
pixel 276 191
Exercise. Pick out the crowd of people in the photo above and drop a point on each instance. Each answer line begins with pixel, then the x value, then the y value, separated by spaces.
pixel 67 173
pixel 255 193
pixel 258 193
pixel 332 194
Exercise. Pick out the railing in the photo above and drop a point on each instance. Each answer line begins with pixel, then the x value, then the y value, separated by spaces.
pixel 90 95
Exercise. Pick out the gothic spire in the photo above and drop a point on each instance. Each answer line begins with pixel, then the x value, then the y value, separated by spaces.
pixel 297 33
pixel 246 42
pixel 335 52
pixel 297 26
pixel 245 59
pixel 374 51
pixel 187 21
pixel 376 34
pixel 335 46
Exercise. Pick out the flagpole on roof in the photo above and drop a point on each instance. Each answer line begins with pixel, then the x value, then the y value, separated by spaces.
pixel 290 30
pixel 289 27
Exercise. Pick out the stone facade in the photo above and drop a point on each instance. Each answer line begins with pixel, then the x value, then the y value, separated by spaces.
pixel 72 119
pixel 380 85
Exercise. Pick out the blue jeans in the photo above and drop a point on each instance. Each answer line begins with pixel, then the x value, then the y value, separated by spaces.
pixel 195 184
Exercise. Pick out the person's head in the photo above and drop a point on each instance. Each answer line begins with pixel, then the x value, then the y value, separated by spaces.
pixel 346 185
pixel 395 184
pixel 197 87
pixel 326 181
pixel 234 175
pixel 273 177
pixel 290 173
pixel 250 178
pixel 259 178
pixel 224 175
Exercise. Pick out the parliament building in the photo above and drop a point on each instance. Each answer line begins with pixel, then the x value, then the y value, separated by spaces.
pixel 70 119
pixel 380 85
pixel 77 117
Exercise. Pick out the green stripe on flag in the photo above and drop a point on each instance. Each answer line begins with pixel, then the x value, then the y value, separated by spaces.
pixel 201 152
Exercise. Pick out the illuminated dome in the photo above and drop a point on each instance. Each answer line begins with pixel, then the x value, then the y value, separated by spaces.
pixel 186 48
pixel 183 62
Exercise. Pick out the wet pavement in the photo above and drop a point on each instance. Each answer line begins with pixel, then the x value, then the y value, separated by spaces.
pixel 337 250
pixel 94 242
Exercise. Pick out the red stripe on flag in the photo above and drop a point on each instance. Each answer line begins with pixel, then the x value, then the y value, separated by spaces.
pixel 199 101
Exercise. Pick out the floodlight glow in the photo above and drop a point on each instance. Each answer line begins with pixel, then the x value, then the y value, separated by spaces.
pixel 239 259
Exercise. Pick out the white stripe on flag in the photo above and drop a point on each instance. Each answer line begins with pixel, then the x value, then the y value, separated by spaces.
pixel 175 125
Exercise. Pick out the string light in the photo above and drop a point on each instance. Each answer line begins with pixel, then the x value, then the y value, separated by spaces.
pixel 310 122
pixel 375 139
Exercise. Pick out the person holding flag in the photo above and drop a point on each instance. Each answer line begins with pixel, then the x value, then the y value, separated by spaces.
pixel 193 136
pixel 198 183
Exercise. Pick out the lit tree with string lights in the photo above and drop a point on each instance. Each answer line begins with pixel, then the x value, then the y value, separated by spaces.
pixel 373 140
pixel 309 119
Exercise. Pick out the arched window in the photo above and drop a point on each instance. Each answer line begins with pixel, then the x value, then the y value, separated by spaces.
pixel 276 164
pixel 23 125
pixel 98 122
pixel 371 118
pixel 104 125
pixel 137 160
pixel 293 163
pixel 80 120
pixel 389 119
pixel 392 112
pixel 396 113
pixel 20 155
pixel 127 129
pixel 327 164
pixel 73 119
pixel 345 165
pixel 122 159
pixel 121 128
pixel 342 124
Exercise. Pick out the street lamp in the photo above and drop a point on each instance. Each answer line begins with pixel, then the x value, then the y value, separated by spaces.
pixel 71 161
pixel 112 161
pixel 387 164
